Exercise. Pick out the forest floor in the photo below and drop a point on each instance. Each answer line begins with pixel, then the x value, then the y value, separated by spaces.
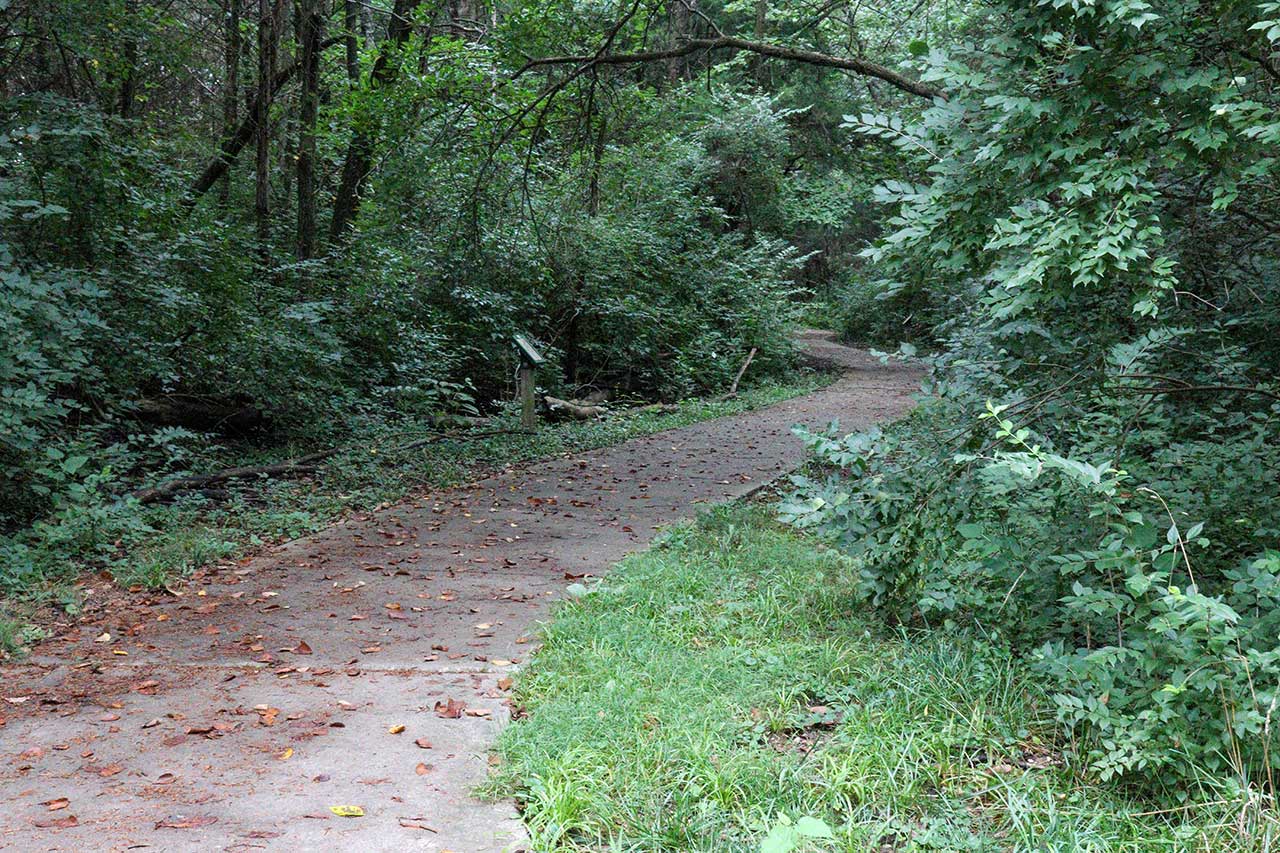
pixel 364 670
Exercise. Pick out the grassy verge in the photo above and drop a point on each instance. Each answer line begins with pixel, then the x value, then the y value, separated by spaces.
pixel 150 546
pixel 719 693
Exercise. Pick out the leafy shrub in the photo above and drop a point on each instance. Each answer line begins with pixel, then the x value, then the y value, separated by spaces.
pixel 1118 526
pixel 1164 652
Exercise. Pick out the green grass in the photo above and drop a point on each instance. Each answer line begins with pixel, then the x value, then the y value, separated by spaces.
pixel 665 707
pixel 152 546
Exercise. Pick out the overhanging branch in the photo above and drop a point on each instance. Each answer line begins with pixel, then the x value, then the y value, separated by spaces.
pixel 808 57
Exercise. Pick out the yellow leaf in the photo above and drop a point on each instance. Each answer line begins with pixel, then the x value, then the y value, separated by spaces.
pixel 395 730
pixel 347 811
pixel 288 753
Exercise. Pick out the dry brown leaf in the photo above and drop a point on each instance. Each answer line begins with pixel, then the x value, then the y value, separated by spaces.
pixel 57 822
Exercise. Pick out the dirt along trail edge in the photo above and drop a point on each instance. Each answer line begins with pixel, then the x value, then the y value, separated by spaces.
pixel 366 665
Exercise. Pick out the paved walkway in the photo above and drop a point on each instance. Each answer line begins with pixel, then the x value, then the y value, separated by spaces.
pixel 367 665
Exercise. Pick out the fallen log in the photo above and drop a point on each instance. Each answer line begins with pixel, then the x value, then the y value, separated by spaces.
pixel 580 411
pixel 200 413
pixel 301 465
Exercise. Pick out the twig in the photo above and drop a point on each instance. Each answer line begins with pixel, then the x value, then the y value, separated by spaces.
pixel 733 389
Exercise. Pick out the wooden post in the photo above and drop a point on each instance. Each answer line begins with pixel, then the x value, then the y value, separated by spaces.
pixel 528 419
pixel 530 358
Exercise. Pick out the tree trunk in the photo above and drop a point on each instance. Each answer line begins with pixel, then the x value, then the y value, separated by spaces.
pixel 232 146
pixel 262 126
pixel 757 61
pixel 680 16
pixel 231 90
pixel 351 22
pixel 356 166
pixel 129 79
pixel 310 23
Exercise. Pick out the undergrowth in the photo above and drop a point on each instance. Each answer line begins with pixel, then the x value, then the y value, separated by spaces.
pixel 721 690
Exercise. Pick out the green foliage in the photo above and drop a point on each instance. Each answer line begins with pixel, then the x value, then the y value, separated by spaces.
pixel 639 243
pixel 1113 277
pixel 718 692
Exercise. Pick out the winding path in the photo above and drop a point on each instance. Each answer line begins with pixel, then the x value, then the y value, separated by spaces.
pixel 235 716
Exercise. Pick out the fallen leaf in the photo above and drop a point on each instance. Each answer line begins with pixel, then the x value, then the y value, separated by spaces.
pixel 110 770
pixel 58 822
pixel 104 637
pixel 500 662
pixel 423 743
pixel 451 709
pixel 479 712
pixel 55 805
pixel 347 811
pixel 504 683
pixel 396 729
pixel 422 769
pixel 286 755
pixel 416 823
pixel 302 648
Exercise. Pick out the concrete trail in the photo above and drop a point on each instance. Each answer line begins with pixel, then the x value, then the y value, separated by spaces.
pixel 366 665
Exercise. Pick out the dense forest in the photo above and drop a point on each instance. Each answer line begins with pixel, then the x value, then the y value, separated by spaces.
pixel 253 228
pixel 276 220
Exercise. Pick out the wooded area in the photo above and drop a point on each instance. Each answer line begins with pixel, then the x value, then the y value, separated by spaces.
pixel 272 224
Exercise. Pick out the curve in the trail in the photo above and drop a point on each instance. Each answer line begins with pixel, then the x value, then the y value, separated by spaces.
pixel 235 716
